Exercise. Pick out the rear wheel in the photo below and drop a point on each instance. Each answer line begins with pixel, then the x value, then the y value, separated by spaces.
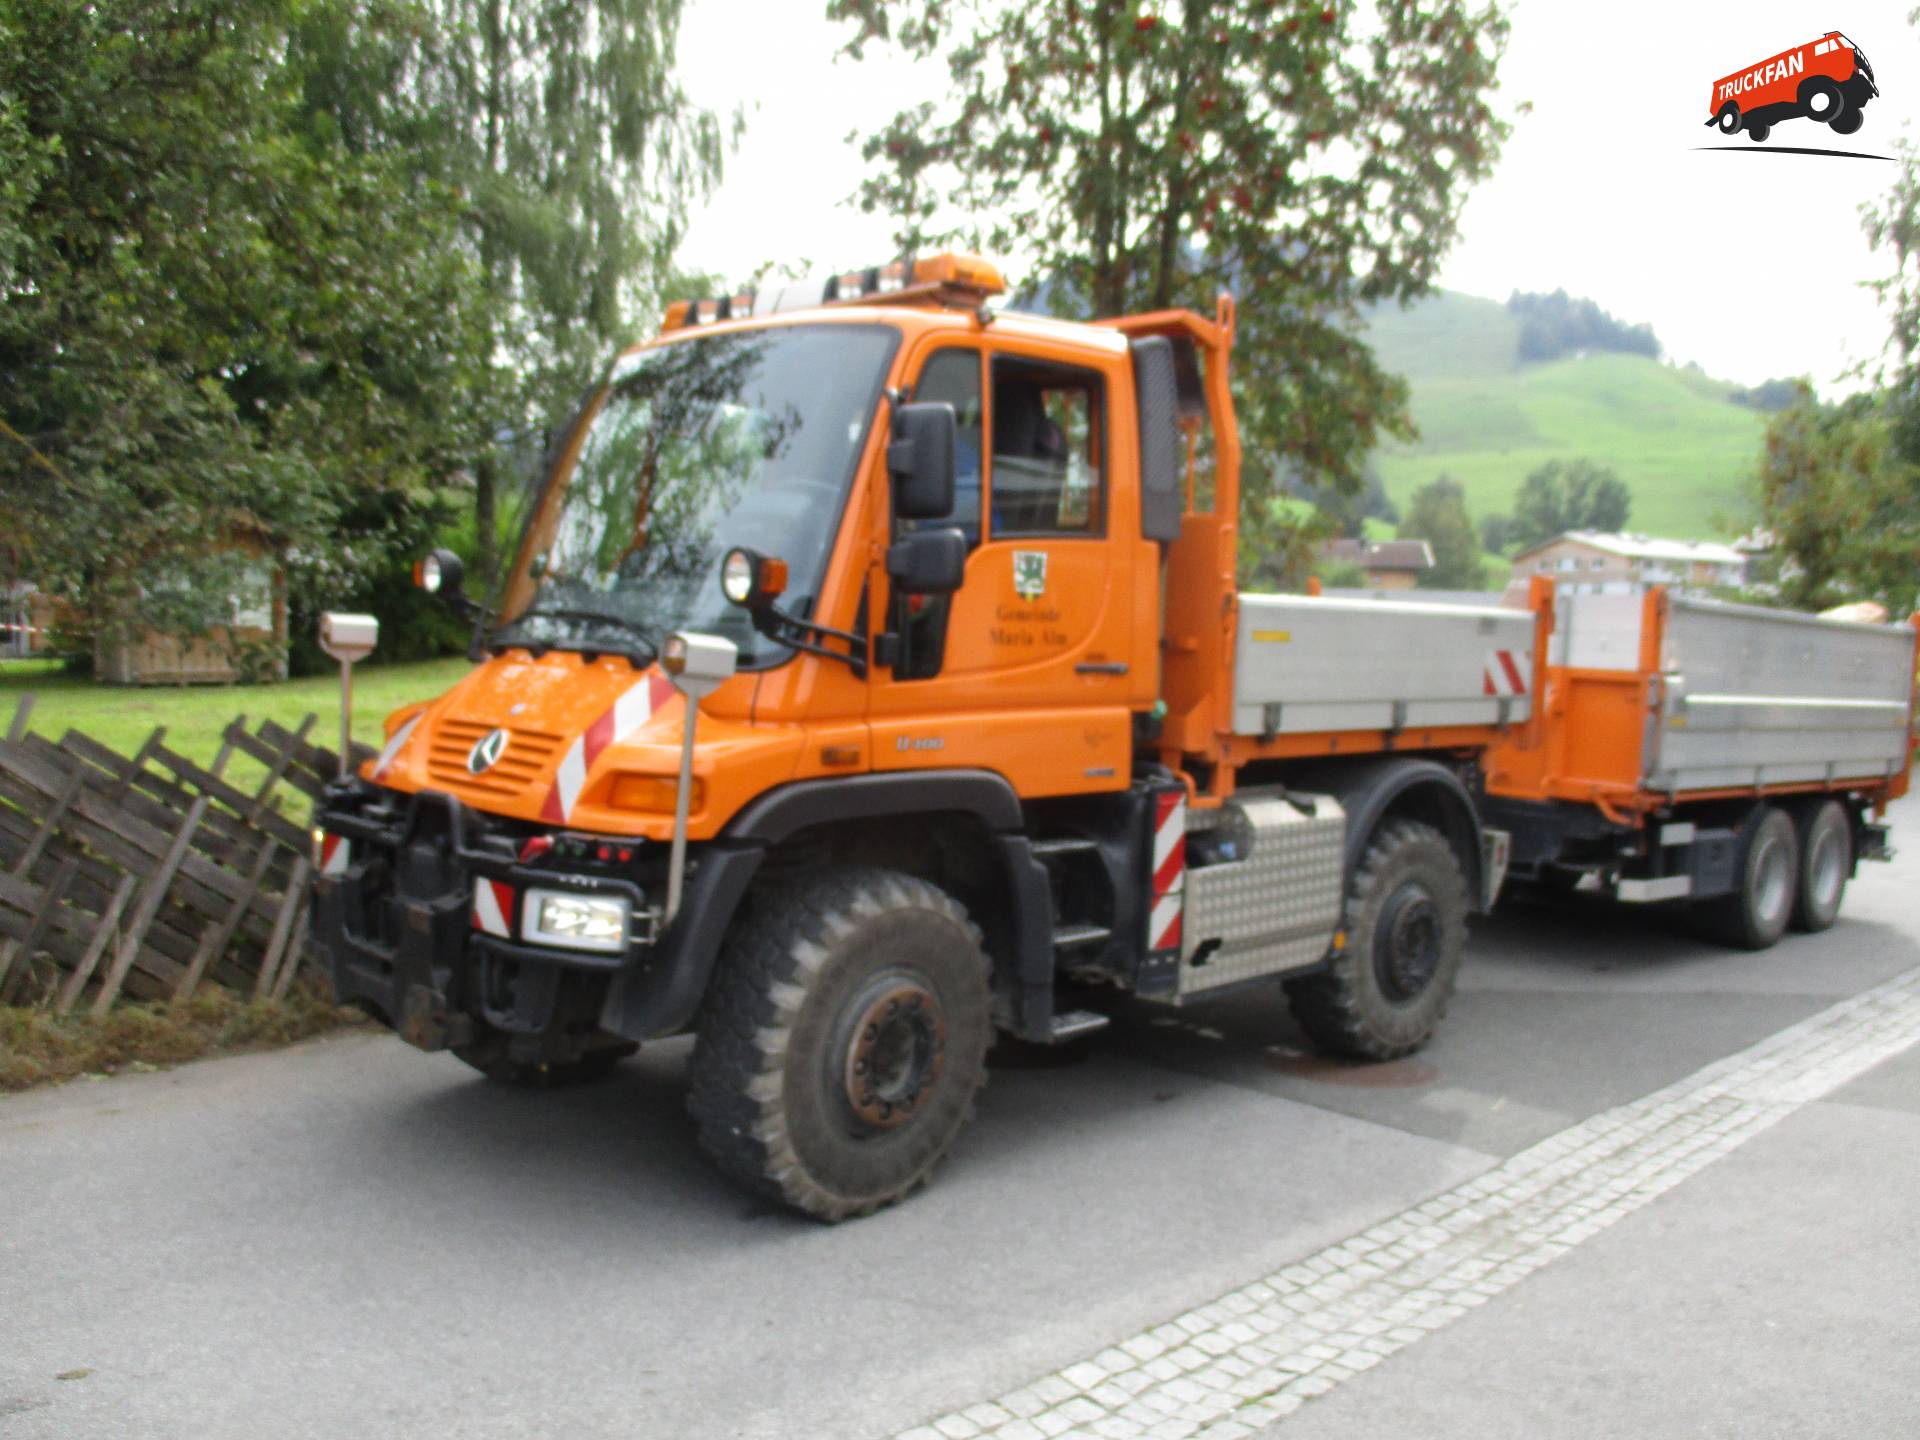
pixel 1382 996
pixel 1826 855
pixel 1757 132
pixel 1728 119
pixel 842 1042
pixel 1767 879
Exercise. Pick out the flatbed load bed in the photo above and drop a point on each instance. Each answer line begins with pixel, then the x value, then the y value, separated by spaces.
pixel 1658 697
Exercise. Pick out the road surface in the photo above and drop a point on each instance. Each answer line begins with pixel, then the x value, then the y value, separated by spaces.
pixel 349 1239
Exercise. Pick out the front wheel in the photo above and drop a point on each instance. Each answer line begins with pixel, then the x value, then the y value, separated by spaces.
pixel 1821 99
pixel 844 1036
pixel 1848 122
pixel 1383 994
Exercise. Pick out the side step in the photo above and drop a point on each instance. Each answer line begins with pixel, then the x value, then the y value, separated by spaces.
pixel 1067 937
pixel 1075 1023
pixel 1063 845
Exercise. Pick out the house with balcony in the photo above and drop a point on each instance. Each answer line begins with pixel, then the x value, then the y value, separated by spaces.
pixel 1596 562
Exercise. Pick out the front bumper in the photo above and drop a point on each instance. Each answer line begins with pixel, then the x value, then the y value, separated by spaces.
pixel 396 917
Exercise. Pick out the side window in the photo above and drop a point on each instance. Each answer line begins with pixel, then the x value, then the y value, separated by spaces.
pixel 1049 449
pixel 953 376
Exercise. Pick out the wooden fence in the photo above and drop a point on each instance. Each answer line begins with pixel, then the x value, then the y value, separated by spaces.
pixel 148 876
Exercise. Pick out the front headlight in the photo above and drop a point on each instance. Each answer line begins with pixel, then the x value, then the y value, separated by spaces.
pixel 577 922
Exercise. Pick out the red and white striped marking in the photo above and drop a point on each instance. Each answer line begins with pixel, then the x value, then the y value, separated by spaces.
pixel 637 705
pixel 1169 871
pixel 336 853
pixel 1506 672
pixel 391 751
pixel 493 907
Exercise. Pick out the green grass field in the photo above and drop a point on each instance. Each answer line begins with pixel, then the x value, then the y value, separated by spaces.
pixel 194 715
pixel 1680 444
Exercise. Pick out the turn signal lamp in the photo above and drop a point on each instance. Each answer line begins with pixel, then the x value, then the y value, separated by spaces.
pixel 654 793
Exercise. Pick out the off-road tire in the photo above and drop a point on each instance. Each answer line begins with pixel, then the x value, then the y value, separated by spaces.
pixel 781 1030
pixel 490 1057
pixel 1357 1007
pixel 1757 132
pixel 1766 879
pixel 1847 122
pixel 1826 859
pixel 1728 120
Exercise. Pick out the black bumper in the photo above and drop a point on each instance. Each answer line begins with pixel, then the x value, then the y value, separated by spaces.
pixel 396 925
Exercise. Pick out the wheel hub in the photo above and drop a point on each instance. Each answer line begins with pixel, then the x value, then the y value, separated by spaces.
pixel 1407 954
pixel 894 1052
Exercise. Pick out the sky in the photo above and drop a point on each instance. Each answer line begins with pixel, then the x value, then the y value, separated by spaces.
pixel 1751 265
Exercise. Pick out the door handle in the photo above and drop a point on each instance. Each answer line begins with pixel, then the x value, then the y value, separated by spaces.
pixel 1106 667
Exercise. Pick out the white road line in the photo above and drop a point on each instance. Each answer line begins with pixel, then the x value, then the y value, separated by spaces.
pixel 1229 1368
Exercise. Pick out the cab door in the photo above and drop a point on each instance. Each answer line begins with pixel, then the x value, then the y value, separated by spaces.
pixel 1024 670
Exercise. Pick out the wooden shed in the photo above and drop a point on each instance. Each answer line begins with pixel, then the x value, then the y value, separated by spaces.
pixel 249 644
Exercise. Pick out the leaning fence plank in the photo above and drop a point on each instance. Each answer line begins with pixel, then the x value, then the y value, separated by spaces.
pixel 151 898
pixel 296 949
pixel 102 937
pixel 214 943
pixel 22 955
pixel 139 762
pixel 22 712
pixel 283 926
pixel 277 771
pixel 68 794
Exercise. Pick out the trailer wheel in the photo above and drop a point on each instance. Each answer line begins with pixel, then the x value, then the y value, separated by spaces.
pixel 1821 99
pixel 1382 996
pixel 1826 855
pixel 490 1057
pixel 842 1041
pixel 1768 869
pixel 1728 119
pixel 1757 132
pixel 1847 122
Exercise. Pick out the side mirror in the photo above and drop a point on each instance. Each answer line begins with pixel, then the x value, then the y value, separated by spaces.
pixel 928 562
pixel 439 573
pixel 920 460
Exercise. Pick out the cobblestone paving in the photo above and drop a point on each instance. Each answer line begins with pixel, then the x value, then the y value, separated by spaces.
pixel 1256 1354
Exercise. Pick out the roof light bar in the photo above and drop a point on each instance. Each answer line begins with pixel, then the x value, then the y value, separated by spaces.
pixel 943 278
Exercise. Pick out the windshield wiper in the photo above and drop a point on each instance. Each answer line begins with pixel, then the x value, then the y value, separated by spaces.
pixel 590 617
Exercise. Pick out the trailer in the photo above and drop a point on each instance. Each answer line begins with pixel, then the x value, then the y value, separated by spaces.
pixel 871 679
pixel 1728 758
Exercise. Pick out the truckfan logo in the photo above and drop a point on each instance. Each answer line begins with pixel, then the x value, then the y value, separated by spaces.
pixel 486 752
pixel 1029 574
pixel 1827 80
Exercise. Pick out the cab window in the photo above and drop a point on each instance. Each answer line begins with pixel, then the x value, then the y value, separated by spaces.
pixel 1049 453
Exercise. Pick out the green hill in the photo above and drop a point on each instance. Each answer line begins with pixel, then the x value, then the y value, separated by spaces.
pixel 1674 436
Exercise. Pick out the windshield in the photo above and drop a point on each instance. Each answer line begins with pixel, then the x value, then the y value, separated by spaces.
pixel 748 438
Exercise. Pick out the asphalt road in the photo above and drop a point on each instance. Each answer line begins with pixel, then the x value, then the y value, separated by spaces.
pixel 349 1239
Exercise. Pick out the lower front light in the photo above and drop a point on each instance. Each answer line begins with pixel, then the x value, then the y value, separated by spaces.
pixel 577 922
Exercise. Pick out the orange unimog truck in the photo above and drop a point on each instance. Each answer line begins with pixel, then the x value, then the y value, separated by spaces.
pixel 1731 759
pixel 870 678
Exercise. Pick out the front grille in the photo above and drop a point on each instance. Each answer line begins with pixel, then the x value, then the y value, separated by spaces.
pixel 528 756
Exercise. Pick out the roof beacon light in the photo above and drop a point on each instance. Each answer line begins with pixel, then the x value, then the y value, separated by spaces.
pixel 946 279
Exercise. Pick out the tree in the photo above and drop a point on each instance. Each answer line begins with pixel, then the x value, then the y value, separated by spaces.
pixel 575 150
pixel 1496 533
pixel 1568 495
pixel 1558 324
pixel 1149 155
pixel 216 320
pixel 1843 502
pixel 1438 515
